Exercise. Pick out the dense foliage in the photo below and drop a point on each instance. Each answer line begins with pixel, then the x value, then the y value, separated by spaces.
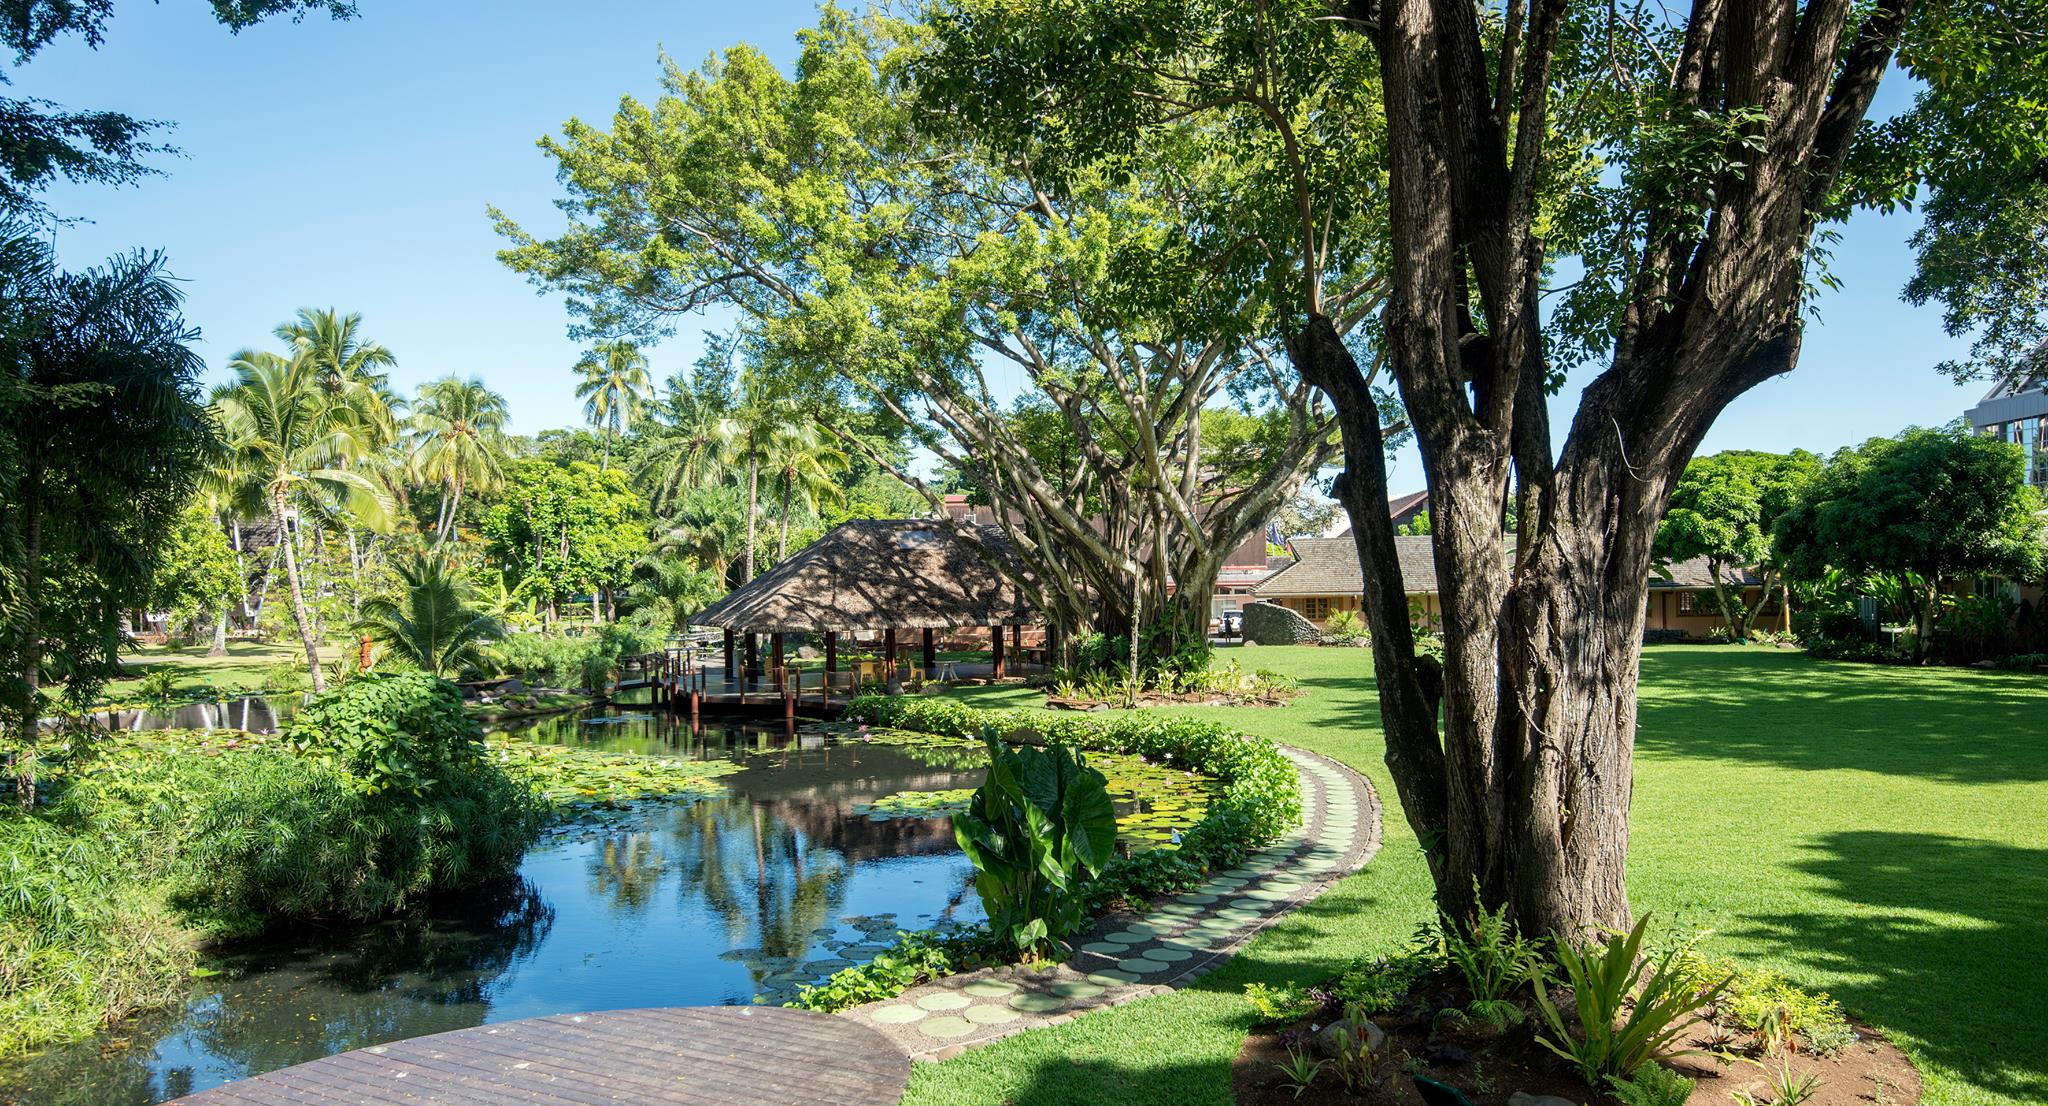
pixel 1723 510
pixel 1037 828
pixel 1917 515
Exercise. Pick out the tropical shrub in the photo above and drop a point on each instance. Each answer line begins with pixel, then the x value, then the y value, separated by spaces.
pixel 1345 628
pixel 586 662
pixel 292 839
pixel 402 731
pixel 1284 1004
pixel 1629 1009
pixel 1039 825
pixel 429 623
pixel 390 796
pixel 158 684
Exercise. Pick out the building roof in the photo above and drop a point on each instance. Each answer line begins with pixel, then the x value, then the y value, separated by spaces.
pixel 1401 509
pixel 910 574
pixel 1693 573
pixel 2014 398
pixel 1329 566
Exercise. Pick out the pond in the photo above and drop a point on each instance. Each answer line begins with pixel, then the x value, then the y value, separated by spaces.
pixel 822 846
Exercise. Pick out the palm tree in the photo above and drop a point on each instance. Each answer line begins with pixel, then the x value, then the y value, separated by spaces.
pixel 430 622
pixel 691 442
pixel 458 441
pixel 349 367
pixel 297 442
pixel 805 467
pixel 614 388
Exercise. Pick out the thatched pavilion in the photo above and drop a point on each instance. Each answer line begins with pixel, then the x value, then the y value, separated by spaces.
pixel 892 575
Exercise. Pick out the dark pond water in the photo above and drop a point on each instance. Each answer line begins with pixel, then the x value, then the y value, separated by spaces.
pixel 253 713
pixel 731 899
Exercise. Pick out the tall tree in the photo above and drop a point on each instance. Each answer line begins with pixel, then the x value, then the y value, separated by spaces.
pixel 805 472
pixel 458 442
pixel 1722 509
pixel 558 529
pixel 102 440
pixel 613 389
pixel 197 577
pixel 1684 158
pixel 1926 510
pixel 887 266
pixel 298 442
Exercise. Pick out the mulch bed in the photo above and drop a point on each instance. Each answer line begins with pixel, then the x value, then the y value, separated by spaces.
pixel 1491 1067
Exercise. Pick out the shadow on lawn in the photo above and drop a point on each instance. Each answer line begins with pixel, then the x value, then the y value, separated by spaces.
pixel 1786 710
pixel 1892 952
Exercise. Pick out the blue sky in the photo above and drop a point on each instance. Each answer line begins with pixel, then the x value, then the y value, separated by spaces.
pixel 348 164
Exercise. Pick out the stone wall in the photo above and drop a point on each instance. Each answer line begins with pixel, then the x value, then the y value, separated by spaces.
pixel 1273 624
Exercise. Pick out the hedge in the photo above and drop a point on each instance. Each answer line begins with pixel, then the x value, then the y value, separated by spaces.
pixel 1260 799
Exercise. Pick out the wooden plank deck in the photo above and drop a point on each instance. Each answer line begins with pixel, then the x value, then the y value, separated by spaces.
pixel 681 1056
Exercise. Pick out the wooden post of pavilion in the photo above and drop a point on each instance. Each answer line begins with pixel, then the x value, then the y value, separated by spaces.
pixel 931 655
pixel 888 658
pixel 996 642
pixel 753 671
pixel 831 662
pixel 728 652
pixel 781 671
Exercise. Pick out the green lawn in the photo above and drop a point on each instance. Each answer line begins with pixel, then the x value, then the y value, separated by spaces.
pixel 1879 833
pixel 241 670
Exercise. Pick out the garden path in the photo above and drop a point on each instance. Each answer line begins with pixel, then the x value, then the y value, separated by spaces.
pixel 1128 957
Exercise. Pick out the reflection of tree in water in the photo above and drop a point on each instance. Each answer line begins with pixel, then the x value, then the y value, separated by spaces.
pixel 627 869
pixel 758 874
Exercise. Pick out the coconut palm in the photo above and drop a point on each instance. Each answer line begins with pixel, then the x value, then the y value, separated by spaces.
pixel 689 445
pixel 614 388
pixel 297 443
pixel 430 622
pixel 350 367
pixel 458 441
pixel 804 473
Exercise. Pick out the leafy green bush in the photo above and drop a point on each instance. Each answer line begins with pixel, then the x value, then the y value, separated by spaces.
pixel 157 684
pixel 1281 1005
pixel 1380 984
pixel 386 731
pixel 1040 824
pixel 1774 1008
pixel 285 678
pixel 586 661
pixel 1653 1085
pixel 1345 628
pixel 1629 1010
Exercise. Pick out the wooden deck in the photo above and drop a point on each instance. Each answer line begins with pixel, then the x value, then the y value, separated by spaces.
pixel 683 1056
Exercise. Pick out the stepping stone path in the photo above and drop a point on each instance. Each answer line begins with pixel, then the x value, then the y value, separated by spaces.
pixel 1128 957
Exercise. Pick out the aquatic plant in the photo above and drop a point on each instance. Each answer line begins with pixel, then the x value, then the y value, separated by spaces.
pixel 1039 826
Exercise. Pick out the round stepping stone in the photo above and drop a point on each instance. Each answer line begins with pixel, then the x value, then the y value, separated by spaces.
pixel 1074 988
pixel 1112 977
pixel 1106 948
pixel 989 988
pixel 1166 955
pixel 1034 1003
pixel 1197 898
pixel 1136 935
pixel 942 1000
pixel 948 1026
pixel 1178 910
pixel 1270 894
pixel 985 1014
pixel 1237 916
pixel 1249 905
pixel 1142 966
pixel 900 1013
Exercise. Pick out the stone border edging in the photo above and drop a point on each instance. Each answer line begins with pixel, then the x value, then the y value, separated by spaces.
pixel 1126 957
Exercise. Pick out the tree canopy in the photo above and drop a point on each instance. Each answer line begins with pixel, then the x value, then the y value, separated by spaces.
pixel 1723 509
pixel 1927 509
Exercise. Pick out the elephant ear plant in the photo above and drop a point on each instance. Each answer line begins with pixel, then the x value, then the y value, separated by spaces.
pixel 1039 827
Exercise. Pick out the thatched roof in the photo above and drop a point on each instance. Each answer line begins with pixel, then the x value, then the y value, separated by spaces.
pixel 911 574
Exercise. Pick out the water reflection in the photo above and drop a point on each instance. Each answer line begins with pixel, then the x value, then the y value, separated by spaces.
pixel 737 898
pixel 253 713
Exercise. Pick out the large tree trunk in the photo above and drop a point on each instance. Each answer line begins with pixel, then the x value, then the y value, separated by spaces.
pixel 219 647
pixel 300 618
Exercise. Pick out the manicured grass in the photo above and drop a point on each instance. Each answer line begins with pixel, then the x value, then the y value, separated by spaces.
pixel 1880 833
pixel 241 670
